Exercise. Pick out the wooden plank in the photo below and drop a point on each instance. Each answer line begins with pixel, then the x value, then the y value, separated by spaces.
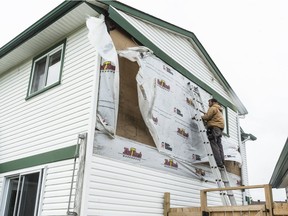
pixel 203 198
pixel 186 209
pixel 269 198
pixel 235 188
pixel 235 208
pixel 185 214
pixel 260 213
pixel 280 208
pixel 269 209
pixel 166 203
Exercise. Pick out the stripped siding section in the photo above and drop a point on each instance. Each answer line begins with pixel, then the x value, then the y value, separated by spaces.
pixel 181 49
pixel 53 119
pixel 118 188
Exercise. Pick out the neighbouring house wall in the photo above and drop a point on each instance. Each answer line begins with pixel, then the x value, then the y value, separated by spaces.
pixel 54 118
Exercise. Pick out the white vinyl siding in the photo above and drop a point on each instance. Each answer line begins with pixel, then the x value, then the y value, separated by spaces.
pixel 118 188
pixel 233 126
pixel 181 49
pixel 53 119
pixel 57 186
pixel 55 190
pixel 48 36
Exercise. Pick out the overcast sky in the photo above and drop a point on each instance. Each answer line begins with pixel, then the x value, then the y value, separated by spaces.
pixel 246 39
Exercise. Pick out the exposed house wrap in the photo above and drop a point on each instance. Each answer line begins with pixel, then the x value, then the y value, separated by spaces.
pixel 164 99
pixel 109 79
pixel 166 106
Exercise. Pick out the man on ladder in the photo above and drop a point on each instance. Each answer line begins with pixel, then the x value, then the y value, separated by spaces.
pixel 215 125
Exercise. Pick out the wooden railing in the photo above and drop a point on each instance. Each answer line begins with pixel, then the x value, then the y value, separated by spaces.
pixel 268 208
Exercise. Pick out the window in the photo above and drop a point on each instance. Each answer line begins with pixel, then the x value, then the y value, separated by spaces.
pixel 224 113
pixel 22 194
pixel 46 70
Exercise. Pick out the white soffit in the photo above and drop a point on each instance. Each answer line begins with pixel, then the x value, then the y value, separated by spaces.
pixel 47 37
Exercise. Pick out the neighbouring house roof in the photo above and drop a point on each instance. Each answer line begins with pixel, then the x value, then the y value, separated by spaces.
pixel 69 16
pixel 279 178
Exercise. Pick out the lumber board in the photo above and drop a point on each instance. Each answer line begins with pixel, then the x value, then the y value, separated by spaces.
pixel 166 203
pixel 280 208
pixel 234 188
pixel 236 208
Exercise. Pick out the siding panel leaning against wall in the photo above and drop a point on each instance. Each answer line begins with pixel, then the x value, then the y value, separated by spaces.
pixel 118 188
pixel 53 119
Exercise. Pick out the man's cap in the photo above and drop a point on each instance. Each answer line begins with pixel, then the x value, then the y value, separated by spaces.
pixel 213 100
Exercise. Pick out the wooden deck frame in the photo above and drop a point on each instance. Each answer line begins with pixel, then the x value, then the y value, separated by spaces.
pixel 267 209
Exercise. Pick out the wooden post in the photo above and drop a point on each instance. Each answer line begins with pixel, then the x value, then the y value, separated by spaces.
pixel 166 203
pixel 269 198
pixel 203 198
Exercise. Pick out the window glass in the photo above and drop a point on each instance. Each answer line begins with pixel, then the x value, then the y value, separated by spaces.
pixel 11 196
pixel 39 72
pixel 23 195
pixel 224 113
pixel 46 70
pixel 54 68
pixel 28 192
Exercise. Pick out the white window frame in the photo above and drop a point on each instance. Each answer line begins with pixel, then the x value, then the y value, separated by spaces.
pixel 47 70
pixel 225 117
pixel 6 185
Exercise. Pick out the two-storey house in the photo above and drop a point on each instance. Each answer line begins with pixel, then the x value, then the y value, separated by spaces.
pixel 95 115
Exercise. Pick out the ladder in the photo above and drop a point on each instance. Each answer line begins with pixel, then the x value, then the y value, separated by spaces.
pixel 220 174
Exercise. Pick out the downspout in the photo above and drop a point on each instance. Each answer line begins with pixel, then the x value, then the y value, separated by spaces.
pixel 244 170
